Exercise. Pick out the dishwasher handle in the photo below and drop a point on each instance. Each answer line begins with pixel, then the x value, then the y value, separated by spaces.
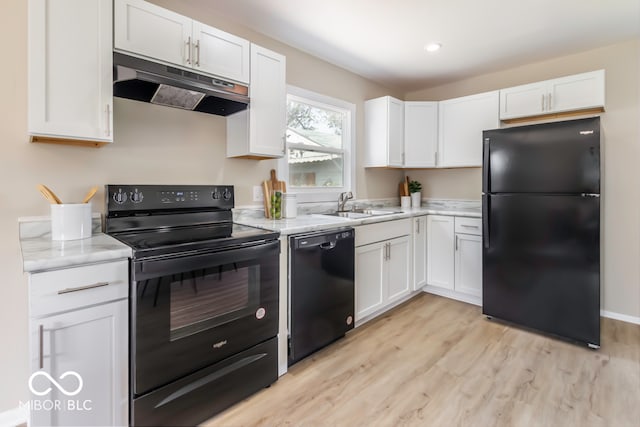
pixel 328 245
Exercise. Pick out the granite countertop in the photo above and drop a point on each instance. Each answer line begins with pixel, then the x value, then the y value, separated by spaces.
pixel 316 222
pixel 40 253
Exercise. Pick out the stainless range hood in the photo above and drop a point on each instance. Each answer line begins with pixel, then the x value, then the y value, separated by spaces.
pixel 147 81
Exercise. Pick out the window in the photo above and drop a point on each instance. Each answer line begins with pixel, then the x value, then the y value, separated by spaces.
pixel 320 146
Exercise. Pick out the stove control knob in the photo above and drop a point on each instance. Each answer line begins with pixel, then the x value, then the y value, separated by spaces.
pixel 216 194
pixel 136 196
pixel 120 197
pixel 226 194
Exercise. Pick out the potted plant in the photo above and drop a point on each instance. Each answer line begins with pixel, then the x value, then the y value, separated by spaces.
pixel 416 196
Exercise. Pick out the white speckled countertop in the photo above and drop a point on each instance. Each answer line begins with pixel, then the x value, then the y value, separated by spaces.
pixel 308 221
pixel 40 253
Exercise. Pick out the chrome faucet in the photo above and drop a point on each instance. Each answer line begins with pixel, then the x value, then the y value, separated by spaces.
pixel 343 199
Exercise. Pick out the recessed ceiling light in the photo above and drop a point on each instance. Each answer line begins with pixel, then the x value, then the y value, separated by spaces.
pixel 433 47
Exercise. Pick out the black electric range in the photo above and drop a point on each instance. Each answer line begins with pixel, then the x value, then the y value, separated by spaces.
pixel 204 299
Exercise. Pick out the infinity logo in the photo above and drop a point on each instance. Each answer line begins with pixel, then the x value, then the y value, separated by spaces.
pixel 55 383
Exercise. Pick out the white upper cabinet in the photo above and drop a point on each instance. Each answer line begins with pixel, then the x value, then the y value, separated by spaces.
pixel 220 53
pixel 461 122
pixel 420 134
pixel 259 131
pixel 571 93
pixel 70 72
pixel 152 31
pixel 147 30
pixel 384 132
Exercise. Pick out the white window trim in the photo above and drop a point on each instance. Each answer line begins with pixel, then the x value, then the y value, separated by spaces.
pixel 307 195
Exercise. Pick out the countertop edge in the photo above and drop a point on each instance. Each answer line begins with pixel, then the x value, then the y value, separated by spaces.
pixel 328 223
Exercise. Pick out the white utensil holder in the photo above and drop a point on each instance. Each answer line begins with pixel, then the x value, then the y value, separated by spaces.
pixel 71 221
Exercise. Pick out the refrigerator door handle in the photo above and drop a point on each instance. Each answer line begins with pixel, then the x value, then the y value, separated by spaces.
pixel 485 220
pixel 486 166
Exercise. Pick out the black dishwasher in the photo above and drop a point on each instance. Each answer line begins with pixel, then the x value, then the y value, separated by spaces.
pixel 321 292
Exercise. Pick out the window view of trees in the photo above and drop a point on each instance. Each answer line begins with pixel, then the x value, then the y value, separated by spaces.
pixel 315 145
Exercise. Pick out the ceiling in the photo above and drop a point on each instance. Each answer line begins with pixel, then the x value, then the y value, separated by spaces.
pixel 384 40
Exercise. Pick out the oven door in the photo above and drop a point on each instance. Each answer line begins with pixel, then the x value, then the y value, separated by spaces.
pixel 190 311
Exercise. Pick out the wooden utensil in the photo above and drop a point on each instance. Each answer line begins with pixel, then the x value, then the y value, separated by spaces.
pixel 267 198
pixel 92 192
pixel 49 195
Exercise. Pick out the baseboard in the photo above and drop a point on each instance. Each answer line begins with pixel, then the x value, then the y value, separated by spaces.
pixel 14 417
pixel 478 301
pixel 384 309
pixel 469 299
pixel 622 317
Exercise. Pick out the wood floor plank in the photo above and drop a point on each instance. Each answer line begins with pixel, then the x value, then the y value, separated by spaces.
pixel 438 362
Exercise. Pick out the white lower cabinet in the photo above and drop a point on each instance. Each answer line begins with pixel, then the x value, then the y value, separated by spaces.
pixel 382 267
pixel 454 257
pixel 440 250
pixel 419 252
pixel 79 346
pixel 468 277
pixel 371 276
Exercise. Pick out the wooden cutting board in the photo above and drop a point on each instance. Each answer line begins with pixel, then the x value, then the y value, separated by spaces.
pixel 268 188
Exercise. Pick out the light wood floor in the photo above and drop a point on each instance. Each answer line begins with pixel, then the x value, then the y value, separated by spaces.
pixel 438 362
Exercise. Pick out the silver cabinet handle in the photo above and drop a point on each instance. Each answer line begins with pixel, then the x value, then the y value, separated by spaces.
pixel 108 127
pixel 418 225
pixel 41 340
pixel 82 288
pixel 469 226
pixel 550 106
pixel 542 103
pixel 189 51
pixel 197 48
pixel 456 242
pixel 435 158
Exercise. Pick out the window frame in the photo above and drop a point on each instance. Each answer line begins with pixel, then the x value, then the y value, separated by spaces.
pixel 324 194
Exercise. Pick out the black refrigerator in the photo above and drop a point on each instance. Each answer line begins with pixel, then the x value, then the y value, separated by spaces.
pixel 541 227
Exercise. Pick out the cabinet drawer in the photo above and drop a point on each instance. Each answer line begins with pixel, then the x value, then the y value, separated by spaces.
pixel 73 288
pixel 371 233
pixel 468 225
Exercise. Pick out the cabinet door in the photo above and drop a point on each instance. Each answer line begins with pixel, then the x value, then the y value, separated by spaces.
pixel 91 342
pixel 70 69
pixel 468 277
pixel 440 251
pixel 419 252
pixel 523 101
pixel 268 109
pixel 370 275
pixel 398 268
pixel 462 121
pixel 220 53
pixel 149 30
pixel 420 134
pixel 580 91
pixel 395 148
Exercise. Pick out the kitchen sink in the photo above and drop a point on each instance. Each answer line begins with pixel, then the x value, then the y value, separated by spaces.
pixel 361 213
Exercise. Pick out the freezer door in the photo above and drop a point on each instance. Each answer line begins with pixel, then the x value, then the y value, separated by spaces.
pixel 541 263
pixel 561 157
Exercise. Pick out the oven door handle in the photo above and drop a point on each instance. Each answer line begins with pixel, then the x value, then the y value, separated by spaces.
pixel 148 269
pixel 210 378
